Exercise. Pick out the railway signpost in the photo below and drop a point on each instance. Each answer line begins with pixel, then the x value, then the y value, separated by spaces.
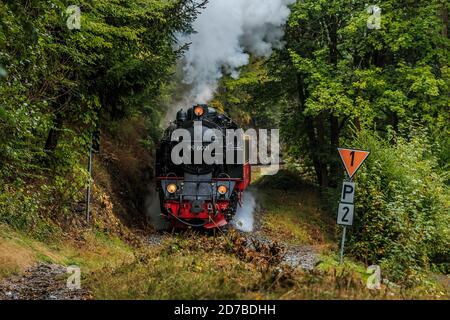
pixel 352 160
pixel 345 214
pixel 348 192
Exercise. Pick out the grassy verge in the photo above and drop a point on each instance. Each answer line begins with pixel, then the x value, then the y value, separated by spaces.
pixel 91 253
pixel 198 266
pixel 205 268
pixel 294 218
pixel 194 266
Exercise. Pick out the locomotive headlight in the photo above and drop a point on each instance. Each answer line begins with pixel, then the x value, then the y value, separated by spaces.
pixel 222 190
pixel 199 111
pixel 172 188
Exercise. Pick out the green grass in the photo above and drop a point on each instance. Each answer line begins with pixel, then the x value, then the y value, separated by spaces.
pixel 180 275
pixel 295 219
pixel 182 269
pixel 194 266
pixel 19 251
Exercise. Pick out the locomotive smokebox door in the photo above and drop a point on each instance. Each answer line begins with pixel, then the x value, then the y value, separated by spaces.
pixel 197 206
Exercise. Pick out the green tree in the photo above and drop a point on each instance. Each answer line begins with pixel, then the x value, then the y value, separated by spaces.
pixel 350 76
pixel 63 84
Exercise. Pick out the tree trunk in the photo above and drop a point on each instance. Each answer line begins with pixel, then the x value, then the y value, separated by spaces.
pixel 332 46
pixel 55 131
pixel 335 167
pixel 314 145
pixel 395 123
pixel 320 150
pixel 53 134
pixel 333 120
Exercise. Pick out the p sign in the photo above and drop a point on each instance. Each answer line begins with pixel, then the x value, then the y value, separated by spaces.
pixel 345 214
pixel 348 193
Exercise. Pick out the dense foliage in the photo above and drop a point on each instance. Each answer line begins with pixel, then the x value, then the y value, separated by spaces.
pixel 403 207
pixel 61 85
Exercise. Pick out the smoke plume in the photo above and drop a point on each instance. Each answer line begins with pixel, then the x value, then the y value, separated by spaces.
pixel 227 32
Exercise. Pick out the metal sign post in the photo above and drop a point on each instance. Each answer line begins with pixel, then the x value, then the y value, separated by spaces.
pixel 341 260
pixel 346 212
pixel 352 160
pixel 88 192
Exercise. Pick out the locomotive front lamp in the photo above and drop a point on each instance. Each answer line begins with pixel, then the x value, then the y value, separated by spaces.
pixel 199 111
pixel 172 188
pixel 222 190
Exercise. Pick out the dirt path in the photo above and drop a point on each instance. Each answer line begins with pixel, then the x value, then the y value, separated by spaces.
pixel 42 282
pixel 295 256
pixel 303 256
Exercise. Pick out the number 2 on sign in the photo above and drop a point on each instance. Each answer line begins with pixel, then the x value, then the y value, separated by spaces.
pixel 344 218
pixel 345 214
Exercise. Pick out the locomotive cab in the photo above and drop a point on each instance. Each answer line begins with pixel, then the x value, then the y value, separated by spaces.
pixel 199 194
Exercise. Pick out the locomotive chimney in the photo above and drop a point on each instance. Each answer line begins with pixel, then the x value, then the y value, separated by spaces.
pixel 181 116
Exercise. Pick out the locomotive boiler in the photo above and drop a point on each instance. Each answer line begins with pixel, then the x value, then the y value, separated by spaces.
pixel 193 191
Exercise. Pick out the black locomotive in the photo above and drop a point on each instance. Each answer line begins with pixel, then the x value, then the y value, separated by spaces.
pixel 195 192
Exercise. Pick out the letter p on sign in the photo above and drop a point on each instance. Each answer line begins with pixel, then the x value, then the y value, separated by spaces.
pixel 348 193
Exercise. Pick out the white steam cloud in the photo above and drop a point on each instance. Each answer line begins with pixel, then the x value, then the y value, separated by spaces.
pixel 227 32
pixel 244 218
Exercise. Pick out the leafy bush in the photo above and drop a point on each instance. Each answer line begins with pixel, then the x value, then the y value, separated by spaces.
pixel 402 207
pixel 59 86
pixel 283 180
pixel 21 208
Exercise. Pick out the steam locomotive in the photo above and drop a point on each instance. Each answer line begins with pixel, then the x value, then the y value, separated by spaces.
pixel 201 193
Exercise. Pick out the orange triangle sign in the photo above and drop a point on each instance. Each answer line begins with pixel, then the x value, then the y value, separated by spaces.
pixel 353 159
